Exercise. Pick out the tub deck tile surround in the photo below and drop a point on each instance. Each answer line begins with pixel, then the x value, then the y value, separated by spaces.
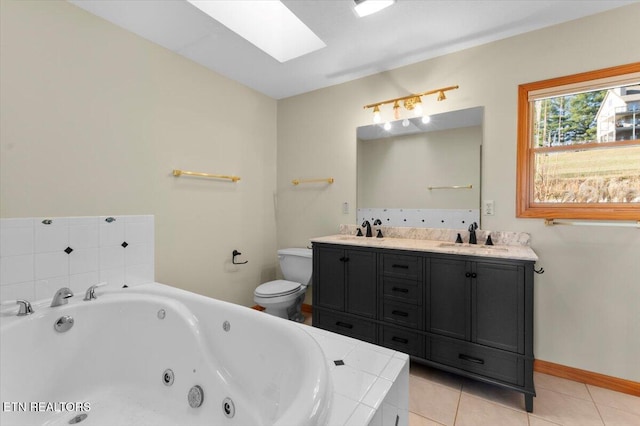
pixel 370 384
pixel 34 263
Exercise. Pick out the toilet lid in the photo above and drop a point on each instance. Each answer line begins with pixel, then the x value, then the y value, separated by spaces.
pixel 277 288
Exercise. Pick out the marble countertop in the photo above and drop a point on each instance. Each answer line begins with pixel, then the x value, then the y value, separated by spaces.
pixel 520 252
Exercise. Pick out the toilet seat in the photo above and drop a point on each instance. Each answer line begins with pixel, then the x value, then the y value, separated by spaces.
pixel 277 288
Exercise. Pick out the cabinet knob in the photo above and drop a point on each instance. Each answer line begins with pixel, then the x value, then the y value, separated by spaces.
pixel 344 259
pixel 474 275
pixel 468 275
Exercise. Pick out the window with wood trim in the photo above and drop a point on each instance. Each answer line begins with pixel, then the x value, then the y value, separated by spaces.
pixel 579 146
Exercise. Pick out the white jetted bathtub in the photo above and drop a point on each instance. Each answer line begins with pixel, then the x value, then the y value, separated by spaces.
pixel 146 354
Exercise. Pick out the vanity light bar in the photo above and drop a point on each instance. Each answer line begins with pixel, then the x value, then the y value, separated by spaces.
pixel 410 102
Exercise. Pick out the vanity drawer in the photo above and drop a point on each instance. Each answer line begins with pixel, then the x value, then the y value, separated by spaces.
pixel 402 314
pixel 497 364
pixel 402 340
pixel 347 325
pixel 402 290
pixel 401 265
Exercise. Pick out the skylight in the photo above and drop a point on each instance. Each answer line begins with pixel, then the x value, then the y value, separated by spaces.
pixel 369 7
pixel 267 24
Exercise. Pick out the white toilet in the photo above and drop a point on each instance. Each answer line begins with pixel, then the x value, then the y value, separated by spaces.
pixel 283 298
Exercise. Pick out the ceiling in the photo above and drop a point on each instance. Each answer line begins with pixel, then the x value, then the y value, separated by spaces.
pixel 410 31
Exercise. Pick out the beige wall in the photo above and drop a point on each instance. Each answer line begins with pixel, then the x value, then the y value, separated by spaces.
pixel 587 308
pixel 94 119
pixel 415 162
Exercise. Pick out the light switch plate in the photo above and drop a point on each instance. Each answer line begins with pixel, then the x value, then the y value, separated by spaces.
pixel 488 208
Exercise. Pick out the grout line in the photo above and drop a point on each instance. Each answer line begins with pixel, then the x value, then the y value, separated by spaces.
pixel 555 389
pixel 455 418
pixel 596 405
pixel 541 418
pixel 579 399
pixel 427 418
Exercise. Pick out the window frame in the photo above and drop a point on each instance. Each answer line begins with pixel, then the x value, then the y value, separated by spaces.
pixel 526 207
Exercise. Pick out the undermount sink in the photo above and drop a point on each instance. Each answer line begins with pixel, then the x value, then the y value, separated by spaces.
pixel 472 246
pixel 361 238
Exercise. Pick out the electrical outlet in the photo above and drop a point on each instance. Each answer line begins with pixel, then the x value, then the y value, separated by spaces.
pixel 345 208
pixel 489 208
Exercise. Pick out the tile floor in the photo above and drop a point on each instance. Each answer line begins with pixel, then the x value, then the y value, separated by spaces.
pixel 438 398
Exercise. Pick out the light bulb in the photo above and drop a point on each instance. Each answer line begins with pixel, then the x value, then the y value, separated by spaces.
pixel 405 122
pixel 376 114
pixel 396 110
pixel 387 126
pixel 426 119
pixel 417 109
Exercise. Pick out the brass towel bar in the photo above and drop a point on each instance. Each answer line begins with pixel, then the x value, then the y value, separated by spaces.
pixel 299 181
pixel 551 222
pixel 451 187
pixel 207 175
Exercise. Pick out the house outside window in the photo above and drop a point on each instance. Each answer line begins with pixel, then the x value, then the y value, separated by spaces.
pixel 579 146
pixel 618 118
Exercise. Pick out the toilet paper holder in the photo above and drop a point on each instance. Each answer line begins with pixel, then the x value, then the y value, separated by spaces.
pixel 233 258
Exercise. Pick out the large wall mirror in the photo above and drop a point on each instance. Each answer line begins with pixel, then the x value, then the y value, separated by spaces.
pixel 418 174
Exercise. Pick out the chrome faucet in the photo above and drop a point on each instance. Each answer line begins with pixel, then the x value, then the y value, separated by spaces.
pixel 61 296
pixel 25 306
pixel 91 292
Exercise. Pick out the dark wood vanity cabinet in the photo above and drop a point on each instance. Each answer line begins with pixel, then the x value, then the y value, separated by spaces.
pixel 480 302
pixel 465 314
pixel 346 291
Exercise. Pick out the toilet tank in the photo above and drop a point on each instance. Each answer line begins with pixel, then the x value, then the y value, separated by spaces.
pixel 296 264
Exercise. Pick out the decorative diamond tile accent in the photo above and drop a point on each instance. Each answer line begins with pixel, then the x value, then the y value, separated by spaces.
pixel 338 362
pixel 124 244
pixel 68 250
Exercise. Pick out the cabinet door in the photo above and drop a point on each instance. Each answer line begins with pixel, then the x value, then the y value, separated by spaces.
pixel 448 298
pixel 361 282
pixel 498 306
pixel 329 277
